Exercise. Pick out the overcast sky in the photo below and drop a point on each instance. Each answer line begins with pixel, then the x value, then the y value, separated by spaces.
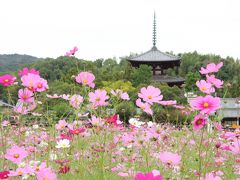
pixel 115 28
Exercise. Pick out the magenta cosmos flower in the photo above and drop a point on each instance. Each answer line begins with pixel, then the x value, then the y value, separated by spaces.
pixel 72 51
pixel 16 154
pixel 207 104
pixel 98 98
pixel 144 106
pixel 25 95
pixel 7 80
pixel 75 101
pixel 211 68
pixel 34 82
pixel 214 81
pixel 26 71
pixel 147 176
pixel 150 94
pixel 169 158
pixel 205 87
pixel 199 122
pixel 86 79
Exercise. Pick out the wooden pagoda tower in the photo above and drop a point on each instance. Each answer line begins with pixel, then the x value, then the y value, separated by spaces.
pixel 159 62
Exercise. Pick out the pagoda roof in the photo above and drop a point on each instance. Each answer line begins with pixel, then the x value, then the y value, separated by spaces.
pixel 154 55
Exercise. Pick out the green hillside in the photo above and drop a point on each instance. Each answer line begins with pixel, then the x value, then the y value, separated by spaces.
pixel 13 62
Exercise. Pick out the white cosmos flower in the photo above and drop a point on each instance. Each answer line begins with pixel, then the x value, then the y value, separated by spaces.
pixel 65 143
pixel 135 122
pixel 43 144
pixel 52 156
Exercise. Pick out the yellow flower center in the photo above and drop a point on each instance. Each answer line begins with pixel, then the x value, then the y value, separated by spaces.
pixel 85 81
pixel 199 121
pixel 204 88
pixel 6 80
pixel 149 97
pixel 143 107
pixel 20 172
pixel 98 99
pixel 37 168
pixel 45 178
pixel 16 156
pixel 205 105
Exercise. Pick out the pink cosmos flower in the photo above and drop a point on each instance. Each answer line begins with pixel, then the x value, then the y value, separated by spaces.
pixel 25 95
pixel 20 108
pixel 168 103
pixel 199 122
pixel 25 71
pixel 37 168
pixel 86 79
pixel 207 104
pixel 147 176
pixel 205 87
pixel 75 101
pixel 72 51
pixel 7 80
pixel 125 96
pixel 235 146
pixel 97 121
pixel 21 171
pixel 214 81
pixel 16 154
pixel 61 125
pixel 170 158
pixel 218 126
pixel 144 106
pixel 98 98
pixel 46 174
pixel 211 176
pixel 55 96
pixel 150 94
pixel 34 82
pixel 211 68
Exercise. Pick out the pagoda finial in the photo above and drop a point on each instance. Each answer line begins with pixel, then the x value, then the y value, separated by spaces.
pixel 154 30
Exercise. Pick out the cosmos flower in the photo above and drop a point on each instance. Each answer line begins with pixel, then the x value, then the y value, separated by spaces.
pixel 25 95
pixel 63 143
pixel 16 154
pixel 26 71
pixel 150 94
pixel 75 101
pixel 7 80
pixel 144 106
pixel 98 98
pixel 214 81
pixel 205 87
pixel 207 104
pixel 211 68
pixel 72 51
pixel 199 122
pixel 61 125
pixel 46 174
pixel 169 158
pixel 147 176
pixel 34 82
pixel 86 79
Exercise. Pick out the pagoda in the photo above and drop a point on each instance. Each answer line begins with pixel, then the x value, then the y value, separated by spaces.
pixel 159 61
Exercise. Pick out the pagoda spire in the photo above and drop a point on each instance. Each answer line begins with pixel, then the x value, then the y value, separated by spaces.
pixel 154 30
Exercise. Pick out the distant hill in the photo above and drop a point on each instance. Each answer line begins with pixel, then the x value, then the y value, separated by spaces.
pixel 13 62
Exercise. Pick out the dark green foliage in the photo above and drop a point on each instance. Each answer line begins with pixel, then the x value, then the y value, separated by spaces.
pixel 190 83
pixel 143 74
pixel 125 110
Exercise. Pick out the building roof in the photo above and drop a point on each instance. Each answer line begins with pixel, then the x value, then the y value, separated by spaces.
pixel 167 79
pixel 154 55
